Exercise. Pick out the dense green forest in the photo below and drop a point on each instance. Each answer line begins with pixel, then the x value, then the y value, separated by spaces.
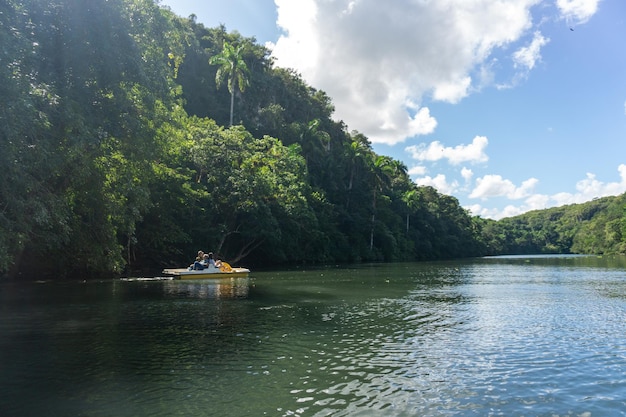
pixel 131 137
pixel 595 227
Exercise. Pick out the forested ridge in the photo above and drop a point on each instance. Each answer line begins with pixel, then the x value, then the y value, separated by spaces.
pixel 131 137
pixel 594 227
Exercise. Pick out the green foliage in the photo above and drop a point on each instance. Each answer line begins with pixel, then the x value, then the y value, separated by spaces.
pixel 232 70
pixel 115 156
pixel 595 227
pixel 85 86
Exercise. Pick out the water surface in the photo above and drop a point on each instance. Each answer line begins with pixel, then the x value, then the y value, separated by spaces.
pixel 507 336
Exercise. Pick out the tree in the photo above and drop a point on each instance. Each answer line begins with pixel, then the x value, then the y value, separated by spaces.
pixel 382 169
pixel 412 200
pixel 103 167
pixel 85 86
pixel 232 69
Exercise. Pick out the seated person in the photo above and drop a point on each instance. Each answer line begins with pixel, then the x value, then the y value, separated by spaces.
pixel 212 262
pixel 198 265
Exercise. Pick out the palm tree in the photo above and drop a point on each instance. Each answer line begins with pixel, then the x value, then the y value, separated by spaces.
pixel 412 199
pixel 382 168
pixel 231 68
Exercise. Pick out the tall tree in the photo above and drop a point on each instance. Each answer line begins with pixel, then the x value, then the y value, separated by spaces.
pixel 382 169
pixel 92 80
pixel 232 69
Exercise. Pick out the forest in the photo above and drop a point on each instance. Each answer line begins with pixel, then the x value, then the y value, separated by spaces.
pixel 131 137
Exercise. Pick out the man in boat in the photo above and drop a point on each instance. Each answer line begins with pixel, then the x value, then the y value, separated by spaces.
pixel 205 260
pixel 199 263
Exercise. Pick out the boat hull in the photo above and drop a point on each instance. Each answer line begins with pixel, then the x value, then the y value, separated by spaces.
pixel 184 273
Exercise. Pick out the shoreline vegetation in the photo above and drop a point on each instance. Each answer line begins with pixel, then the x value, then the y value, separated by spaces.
pixel 131 137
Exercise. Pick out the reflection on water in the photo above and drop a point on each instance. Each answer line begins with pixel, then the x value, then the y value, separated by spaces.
pixel 521 336
pixel 223 287
pixel 209 288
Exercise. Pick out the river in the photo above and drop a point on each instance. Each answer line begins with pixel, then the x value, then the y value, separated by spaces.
pixel 502 336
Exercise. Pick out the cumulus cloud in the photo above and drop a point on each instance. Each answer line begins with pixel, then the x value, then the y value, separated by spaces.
pixel 474 152
pixel 467 174
pixel 299 18
pixel 527 56
pixel 495 186
pixel 590 186
pixel 387 56
pixel 577 11
pixel 453 90
pixel 493 213
pixel 383 62
pixel 440 183
pixel 417 170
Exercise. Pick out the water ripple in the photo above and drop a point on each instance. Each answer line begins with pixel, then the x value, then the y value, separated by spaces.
pixel 438 341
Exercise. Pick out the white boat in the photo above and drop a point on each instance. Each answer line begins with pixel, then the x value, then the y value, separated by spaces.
pixel 225 270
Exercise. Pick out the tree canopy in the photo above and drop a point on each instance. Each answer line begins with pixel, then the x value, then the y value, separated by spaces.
pixel 119 153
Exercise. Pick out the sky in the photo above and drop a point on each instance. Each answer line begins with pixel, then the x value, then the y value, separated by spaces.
pixel 507 105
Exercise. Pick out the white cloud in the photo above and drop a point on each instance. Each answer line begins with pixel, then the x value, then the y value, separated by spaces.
pixel 532 202
pixel 492 186
pixel 494 213
pixel 527 56
pixel 577 11
pixel 417 170
pixel 536 202
pixel 474 152
pixel 524 190
pixel 594 188
pixel 590 188
pixel 453 90
pixel 467 174
pixel 381 61
pixel 386 56
pixel 440 183
pixel 299 19
pixel 478 210
pixel 495 186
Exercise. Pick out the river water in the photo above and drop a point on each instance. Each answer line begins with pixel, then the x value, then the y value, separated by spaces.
pixel 503 336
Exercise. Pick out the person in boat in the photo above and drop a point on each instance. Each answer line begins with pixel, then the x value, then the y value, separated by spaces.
pixel 210 261
pixel 199 263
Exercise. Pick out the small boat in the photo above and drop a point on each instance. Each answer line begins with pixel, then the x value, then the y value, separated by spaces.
pixel 225 270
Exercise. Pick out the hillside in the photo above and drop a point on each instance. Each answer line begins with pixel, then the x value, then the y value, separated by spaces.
pixel 594 227
pixel 118 153
pixel 131 137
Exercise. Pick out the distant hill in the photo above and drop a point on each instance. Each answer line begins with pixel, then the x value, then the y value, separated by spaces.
pixel 595 227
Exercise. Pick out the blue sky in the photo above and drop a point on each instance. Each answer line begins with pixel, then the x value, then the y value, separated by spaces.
pixel 508 106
